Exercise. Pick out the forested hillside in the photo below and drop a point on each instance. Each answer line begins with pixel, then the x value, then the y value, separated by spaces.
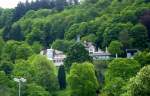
pixel 33 26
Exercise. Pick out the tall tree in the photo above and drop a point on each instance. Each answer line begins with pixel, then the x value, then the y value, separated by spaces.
pixel 20 10
pixel 76 53
pixel 16 33
pixel 145 19
pixel 62 77
pixel 82 80
pixel 140 34
pixel 45 73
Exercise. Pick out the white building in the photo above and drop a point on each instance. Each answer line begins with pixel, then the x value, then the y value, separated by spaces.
pixel 96 54
pixel 56 56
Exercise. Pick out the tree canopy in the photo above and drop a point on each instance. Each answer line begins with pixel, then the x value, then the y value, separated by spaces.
pixel 82 80
pixel 76 53
pixel 42 24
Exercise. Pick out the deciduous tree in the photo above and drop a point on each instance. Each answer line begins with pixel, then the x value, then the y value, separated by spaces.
pixel 76 53
pixel 82 80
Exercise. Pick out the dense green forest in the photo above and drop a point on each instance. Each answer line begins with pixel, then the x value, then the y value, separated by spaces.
pixel 41 24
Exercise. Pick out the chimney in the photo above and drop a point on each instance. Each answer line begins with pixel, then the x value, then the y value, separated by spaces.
pixel 106 50
pixel 78 38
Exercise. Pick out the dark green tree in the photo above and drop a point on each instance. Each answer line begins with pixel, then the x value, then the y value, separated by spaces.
pixel 76 53
pixel 140 36
pixel 62 77
pixel 6 66
pixel 16 33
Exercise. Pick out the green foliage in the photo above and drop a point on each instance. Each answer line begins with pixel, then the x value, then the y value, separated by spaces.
pixel 44 73
pixel 23 69
pixel 5 17
pixel 62 77
pixel 16 33
pixel 23 51
pixel 125 39
pixel 36 90
pixel 76 53
pixel 140 34
pixel 17 50
pixel 63 93
pixel 40 74
pixel 122 24
pixel 140 84
pixel 82 80
pixel 5 85
pixel 89 38
pixel 10 50
pixel 1 45
pixel 72 31
pixel 100 67
pixel 62 45
pixel 6 66
pixel 37 47
pixel 143 58
pixel 118 73
pixel 115 47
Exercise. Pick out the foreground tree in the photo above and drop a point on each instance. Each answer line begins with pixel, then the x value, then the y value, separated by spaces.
pixel 5 89
pixel 140 84
pixel 62 77
pixel 23 69
pixel 36 90
pixel 118 73
pixel 82 80
pixel 77 53
pixel 44 73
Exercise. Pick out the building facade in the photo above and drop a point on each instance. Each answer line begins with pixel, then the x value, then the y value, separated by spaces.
pixel 54 55
pixel 58 56
pixel 96 54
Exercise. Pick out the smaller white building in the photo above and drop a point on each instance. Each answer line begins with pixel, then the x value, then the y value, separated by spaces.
pixel 54 55
pixel 96 54
pixel 131 53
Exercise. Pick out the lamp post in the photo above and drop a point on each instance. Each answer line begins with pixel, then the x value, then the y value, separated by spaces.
pixel 19 81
